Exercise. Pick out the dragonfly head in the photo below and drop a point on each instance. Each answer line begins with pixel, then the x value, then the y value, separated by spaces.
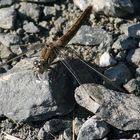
pixel 38 66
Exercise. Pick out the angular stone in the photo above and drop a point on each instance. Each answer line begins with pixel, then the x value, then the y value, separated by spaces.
pixel 87 35
pixel 119 109
pixel 10 39
pixel 49 11
pixel 25 98
pixel 106 60
pixel 131 30
pixel 7 17
pixel 133 56
pixel 93 129
pixel 29 11
pixel 4 3
pixel 119 73
pixel 125 43
pixel 30 28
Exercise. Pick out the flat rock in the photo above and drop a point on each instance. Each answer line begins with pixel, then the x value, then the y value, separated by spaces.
pixel 119 109
pixel 93 129
pixel 125 43
pixel 31 28
pixel 133 56
pixel 119 73
pixel 7 17
pixel 10 39
pixel 131 30
pixel 29 11
pixel 25 98
pixel 117 8
pixel 87 35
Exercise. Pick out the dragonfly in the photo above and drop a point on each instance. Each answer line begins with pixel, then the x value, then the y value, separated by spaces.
pixel 50 51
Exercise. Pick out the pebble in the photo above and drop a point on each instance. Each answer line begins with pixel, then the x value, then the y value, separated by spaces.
pixel 119 73
pixel 133 56
pixel 49 12
pixel 87 35
pixel 10 39
pixel 93 129
pixel 31 28
pixel 29 11
pixel 125 43
pixel 133 86
pixel 7 18
pixel 131 30
pixel 106 60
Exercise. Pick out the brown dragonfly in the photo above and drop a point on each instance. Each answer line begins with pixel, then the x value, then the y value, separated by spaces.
pixel 50 51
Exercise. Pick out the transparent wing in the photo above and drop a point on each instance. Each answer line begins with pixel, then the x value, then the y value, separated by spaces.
pixel 27 49
pixel 64 60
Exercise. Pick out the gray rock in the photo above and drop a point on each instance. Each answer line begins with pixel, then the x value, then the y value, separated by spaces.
pixel 56 125
pixel 29 11
pixel 117 8
pixel 4 52
pixel 30 28
pixel 53 126
pixel 7 17
pixel 119 109
pixel 119 73
pixel 49 11
pixel 106 60
pixel 25 98
pixel 10 39
pixel 4 3
pixel 67 135
pixel 131 30
pixel 133 86
pixel 125 43
pixel 93 129
pixel 133 56
pixel 90 36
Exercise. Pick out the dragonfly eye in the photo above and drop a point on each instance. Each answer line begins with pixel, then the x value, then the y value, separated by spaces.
pixel 37 63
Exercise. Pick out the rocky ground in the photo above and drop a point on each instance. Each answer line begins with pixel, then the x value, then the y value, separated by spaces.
pixel 56 107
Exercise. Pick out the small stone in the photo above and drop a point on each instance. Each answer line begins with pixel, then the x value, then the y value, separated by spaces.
pixel 87 35
pixel 4 52
pixel 133 86
pixel 131 30
pixel 49 12
pixel 56 125
pixel 42 1
pixel 93 129
pixel 120 74
pixel 29 11
pixel 125 43
pixel 7 18
pixel 4 3
pixel 133 56
pixel 106 60
pixel 10 39
pixel 30 28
